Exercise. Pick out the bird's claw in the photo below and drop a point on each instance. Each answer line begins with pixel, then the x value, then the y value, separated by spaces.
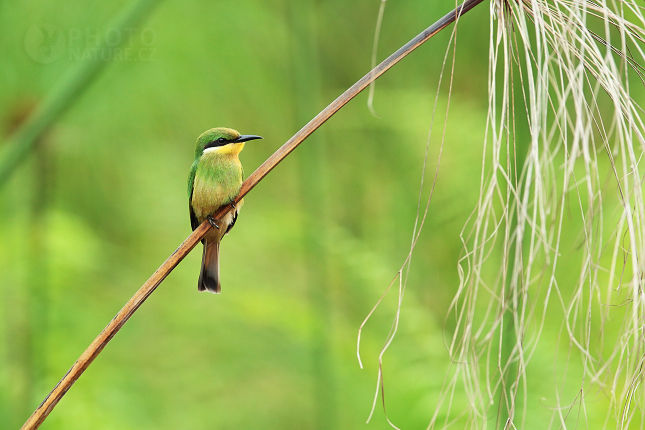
pixel 233 204
pixel 212 222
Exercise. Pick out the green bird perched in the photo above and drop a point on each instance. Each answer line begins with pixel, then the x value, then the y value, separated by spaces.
pixel 215 180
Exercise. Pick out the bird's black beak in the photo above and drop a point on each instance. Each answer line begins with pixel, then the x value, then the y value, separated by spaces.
pixel 246 137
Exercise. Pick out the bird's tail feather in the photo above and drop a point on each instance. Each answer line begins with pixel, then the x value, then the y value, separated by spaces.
pixel 209 275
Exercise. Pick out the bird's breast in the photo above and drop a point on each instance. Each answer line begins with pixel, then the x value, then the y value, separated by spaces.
pixel 217 182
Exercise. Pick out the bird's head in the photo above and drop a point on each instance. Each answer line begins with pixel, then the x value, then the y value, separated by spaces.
pixel 222 141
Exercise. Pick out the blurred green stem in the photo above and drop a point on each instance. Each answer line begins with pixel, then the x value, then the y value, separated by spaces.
pixel 29 330
pixel 64 95
pixel 38 276
pixel 307 79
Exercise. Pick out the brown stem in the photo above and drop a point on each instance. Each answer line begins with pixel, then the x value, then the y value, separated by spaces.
pixel 151 284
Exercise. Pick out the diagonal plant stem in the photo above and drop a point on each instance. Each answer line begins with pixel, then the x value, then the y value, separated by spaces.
pixel 151 284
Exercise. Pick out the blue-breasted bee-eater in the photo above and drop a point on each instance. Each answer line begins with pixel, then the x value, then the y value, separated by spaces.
pixel 215 180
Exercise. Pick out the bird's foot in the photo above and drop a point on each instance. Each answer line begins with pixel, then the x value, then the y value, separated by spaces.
pixel 233 204
pixel 212 222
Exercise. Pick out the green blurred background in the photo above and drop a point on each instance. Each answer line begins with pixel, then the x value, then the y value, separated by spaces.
pixel 101 202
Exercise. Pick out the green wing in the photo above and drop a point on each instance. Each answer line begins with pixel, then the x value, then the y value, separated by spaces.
pixel 191 183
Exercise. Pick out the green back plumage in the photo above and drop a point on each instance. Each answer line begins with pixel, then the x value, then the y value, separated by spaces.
pixel 191 178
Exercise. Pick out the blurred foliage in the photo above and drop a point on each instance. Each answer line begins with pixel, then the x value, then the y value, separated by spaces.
pixel 101 202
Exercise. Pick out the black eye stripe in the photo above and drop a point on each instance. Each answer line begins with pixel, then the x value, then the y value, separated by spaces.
pixel 217 142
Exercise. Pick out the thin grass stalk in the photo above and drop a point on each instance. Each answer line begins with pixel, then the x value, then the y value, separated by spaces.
pixel 565 71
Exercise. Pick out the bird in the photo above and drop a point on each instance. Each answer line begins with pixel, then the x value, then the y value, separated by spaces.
pixel 214 181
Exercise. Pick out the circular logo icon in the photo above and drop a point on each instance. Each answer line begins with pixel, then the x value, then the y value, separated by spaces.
pixel 44 43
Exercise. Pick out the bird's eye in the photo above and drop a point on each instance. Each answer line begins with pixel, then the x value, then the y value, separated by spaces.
pixel 221 140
